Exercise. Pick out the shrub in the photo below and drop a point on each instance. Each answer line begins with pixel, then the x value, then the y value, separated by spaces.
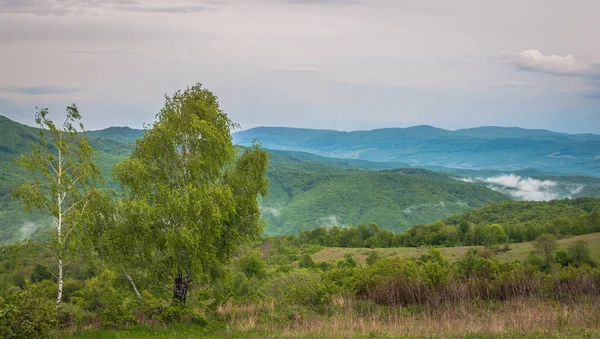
pixel 579 254
pixel 252 264
pixel 25 316
pixel 40 273
pixel 372 257
pixel 306 262
pixel 302 287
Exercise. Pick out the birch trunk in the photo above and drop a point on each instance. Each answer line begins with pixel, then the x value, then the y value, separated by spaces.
pixel 132 283
pixel 59 231
pixel 60 282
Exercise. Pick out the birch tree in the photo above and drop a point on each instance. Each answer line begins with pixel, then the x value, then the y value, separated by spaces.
pixel 62 175
pixel 191 196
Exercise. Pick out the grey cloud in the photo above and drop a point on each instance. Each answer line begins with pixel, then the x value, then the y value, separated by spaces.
pixel 322 2
pixel 37 7
pixel 171 10
pixel 298 70
pixel 98 52
pixel 42 90
pixel 61 7
pixel 514 84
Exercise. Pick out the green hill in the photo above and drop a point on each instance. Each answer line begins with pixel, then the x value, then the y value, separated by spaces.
pixel 312 196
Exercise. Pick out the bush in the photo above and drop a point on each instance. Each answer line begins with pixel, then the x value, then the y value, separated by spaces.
pixel 372 257
pixel 303 287
pixel 306 262
pixel 252 264
pixel 25 316
pixel 40 273
pixel 579 254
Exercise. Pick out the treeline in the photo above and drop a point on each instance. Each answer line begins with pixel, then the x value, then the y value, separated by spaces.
pixel 491 225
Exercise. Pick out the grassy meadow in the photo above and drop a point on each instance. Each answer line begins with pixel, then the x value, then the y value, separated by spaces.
pixel 517 251
pixel 526 318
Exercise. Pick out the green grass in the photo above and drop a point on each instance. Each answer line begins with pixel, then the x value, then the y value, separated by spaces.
pixel 520 250
pixel 172 331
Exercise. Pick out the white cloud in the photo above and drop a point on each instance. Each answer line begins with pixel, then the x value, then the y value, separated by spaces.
pixel 329 221
pixel 523 188
pixel 534 60
pixel 270 210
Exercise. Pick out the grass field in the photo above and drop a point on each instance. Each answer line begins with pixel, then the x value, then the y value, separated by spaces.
pixel 527 318
pixel 520 250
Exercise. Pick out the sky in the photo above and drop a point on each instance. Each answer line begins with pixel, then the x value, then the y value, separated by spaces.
pixel 337 64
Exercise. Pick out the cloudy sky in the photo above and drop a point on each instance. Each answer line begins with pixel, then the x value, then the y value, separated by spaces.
pixel 340 64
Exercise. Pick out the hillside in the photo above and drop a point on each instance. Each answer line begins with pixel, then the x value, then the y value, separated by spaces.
pixel 497 148
pixel 308 197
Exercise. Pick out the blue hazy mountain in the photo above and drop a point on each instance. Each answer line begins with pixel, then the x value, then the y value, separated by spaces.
pixel 496 148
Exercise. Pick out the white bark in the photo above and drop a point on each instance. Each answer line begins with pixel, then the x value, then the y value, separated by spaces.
pixel 60 282
pixel 137 292
pixel 59 231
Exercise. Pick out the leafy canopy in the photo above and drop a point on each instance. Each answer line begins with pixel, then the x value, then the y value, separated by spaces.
pixel 191 197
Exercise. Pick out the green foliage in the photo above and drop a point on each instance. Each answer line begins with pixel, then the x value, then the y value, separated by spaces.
pixel 252 265
pixel 546 245
pixel 25 316
pixel 579 254
pixel 372 257
pixel 40 273
pixel 306 261
pixel 189 198
pixel 302 287
pixel 62 175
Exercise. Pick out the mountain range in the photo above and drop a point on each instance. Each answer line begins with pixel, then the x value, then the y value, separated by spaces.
pixel 495 148
pixel 309 190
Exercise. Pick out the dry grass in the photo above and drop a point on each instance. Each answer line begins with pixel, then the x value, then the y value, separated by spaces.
pixel 349 319
pixel 332 254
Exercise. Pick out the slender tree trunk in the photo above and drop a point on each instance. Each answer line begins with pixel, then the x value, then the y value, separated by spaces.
pixel 132 283
pixel 59 231
pixel 180 287
pixel 60 282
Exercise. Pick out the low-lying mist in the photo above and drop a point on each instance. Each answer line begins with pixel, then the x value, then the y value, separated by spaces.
pixel 525 188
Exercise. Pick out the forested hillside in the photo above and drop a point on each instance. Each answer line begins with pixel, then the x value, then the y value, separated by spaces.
pixel 308 196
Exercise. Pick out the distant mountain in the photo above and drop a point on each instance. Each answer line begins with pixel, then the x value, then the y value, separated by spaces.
pixel 496 148
pixel 120 134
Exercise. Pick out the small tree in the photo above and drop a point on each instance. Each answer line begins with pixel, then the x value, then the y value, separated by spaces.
pixel 546 245
pixel 63 174
pixel 191 195
pixel 579 253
